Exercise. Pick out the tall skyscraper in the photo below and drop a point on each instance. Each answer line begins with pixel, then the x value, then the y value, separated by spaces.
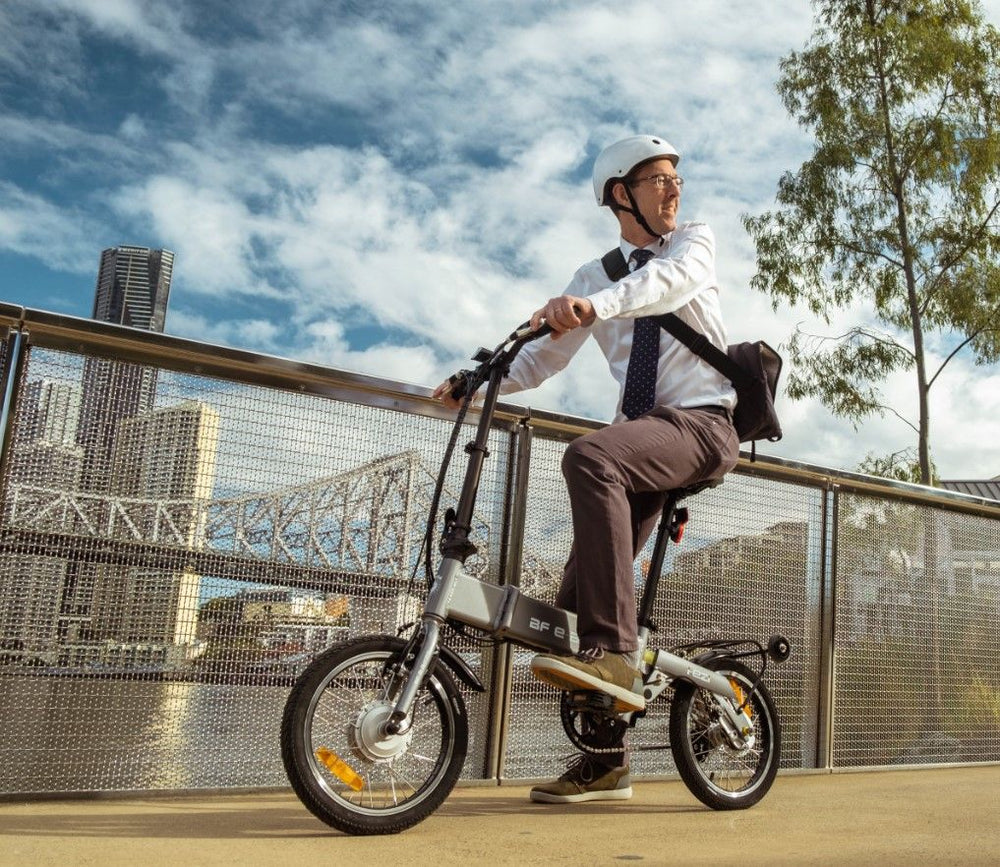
pixel 133 284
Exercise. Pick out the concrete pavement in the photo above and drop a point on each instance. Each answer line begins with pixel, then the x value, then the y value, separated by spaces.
pixel 912 817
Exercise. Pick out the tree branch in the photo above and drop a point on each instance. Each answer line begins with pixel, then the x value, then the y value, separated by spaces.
pixel 859 330
pixel 946 266
pixel 904 420
pixel 958 349
pixel 874 254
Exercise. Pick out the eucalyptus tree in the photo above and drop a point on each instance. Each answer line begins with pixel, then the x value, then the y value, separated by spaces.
pixel 897 210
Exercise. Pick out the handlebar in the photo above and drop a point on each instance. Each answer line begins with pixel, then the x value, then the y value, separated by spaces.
pixel 505 353
pixel 524 332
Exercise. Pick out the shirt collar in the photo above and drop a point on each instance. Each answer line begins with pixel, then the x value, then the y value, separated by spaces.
pixel 627 247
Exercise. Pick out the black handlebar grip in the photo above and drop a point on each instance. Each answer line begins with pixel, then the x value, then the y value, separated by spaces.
pixel 459 384
pixel 524 331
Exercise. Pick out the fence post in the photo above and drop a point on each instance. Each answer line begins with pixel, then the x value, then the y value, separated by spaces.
pixel 10 376
pixel 510 558
pixel 828 628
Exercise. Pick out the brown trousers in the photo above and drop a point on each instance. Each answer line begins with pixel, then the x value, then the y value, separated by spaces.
pixel 617 479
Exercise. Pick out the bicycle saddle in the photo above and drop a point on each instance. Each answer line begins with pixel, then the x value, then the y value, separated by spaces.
pixel 689 491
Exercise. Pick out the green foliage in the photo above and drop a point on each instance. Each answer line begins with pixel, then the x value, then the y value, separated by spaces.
pixel 840 375
pixel 903 466
pixel 898 206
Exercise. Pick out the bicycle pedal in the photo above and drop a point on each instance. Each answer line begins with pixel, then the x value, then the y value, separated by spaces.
pixel 594 702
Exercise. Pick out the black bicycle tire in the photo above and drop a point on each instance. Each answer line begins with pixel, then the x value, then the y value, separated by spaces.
pixel 300 766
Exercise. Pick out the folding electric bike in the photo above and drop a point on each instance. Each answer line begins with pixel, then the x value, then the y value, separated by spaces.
pixel 374 732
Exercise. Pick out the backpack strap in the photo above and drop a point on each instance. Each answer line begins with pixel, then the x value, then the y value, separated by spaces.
pixel 701 346
pixel 614 264
pixel 616 268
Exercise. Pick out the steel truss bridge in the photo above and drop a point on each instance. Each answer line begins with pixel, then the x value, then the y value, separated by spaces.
pixel 363 527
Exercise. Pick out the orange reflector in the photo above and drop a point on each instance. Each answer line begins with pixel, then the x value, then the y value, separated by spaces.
pixel 748 710
pixel 340 769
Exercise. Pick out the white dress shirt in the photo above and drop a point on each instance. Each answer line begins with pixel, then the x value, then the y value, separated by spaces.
pixel 679 279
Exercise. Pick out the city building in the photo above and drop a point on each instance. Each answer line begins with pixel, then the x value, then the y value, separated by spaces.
pixel 168 458
pixel 44 460
pixel 133 284
pixel 132 288
pixel 988 489
pixel 51 412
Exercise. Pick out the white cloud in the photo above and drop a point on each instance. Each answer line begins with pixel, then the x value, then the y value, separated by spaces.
pixel 263 334
pixel 415 167
pixel 152 27
pixel 29 223
pixel 409 364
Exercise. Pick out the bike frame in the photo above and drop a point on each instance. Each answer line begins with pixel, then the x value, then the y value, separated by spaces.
pixel 506 614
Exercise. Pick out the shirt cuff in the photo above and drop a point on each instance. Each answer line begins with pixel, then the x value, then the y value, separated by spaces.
pixel 605 303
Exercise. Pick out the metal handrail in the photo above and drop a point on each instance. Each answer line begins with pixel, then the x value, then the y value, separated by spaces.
pixel 75 334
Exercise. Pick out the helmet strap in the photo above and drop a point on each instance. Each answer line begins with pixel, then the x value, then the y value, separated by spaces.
pixel 635 212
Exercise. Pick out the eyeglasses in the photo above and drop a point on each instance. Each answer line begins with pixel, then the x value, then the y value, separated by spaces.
pixel 661 182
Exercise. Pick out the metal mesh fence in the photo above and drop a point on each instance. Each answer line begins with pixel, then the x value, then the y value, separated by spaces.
pixel 918 600
pixel 176 548
pixel 535 744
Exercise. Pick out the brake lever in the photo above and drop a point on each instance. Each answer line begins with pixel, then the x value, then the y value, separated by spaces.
pixel 525 331
pixel 460 381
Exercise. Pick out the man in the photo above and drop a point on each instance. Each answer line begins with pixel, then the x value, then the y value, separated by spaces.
pixel 673 425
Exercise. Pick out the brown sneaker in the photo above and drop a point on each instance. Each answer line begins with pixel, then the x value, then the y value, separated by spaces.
pixel 585 780
pixel 598 670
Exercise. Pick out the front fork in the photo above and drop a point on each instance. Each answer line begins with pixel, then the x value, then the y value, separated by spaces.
pixel 427 638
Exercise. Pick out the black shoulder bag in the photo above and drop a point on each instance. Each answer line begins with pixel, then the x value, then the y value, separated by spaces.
pixel 752 368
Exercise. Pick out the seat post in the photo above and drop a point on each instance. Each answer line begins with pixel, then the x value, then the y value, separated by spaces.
pixel 656 562
pixel 660 547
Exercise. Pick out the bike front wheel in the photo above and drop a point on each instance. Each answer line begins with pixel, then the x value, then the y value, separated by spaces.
pixel 718 773
pixel 339 759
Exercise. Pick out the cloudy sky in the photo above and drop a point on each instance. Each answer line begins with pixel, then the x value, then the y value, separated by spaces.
pixel 384 186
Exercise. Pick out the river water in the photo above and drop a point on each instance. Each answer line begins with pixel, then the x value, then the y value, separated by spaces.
pixel 67 734
pixel 61 734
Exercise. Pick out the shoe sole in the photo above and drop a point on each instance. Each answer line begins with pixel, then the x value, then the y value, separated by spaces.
pixel 603 795
pixel 566 677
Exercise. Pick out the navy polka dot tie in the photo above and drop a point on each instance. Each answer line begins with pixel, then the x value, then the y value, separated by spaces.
pixel 640 380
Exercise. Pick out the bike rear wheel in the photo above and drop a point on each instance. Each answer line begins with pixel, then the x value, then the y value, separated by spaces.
pixel 344 767
pixel 718 774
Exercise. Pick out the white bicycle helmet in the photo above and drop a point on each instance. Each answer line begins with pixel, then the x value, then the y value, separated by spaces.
pixel 619 159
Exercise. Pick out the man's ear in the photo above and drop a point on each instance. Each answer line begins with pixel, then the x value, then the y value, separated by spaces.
pixel 620 196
